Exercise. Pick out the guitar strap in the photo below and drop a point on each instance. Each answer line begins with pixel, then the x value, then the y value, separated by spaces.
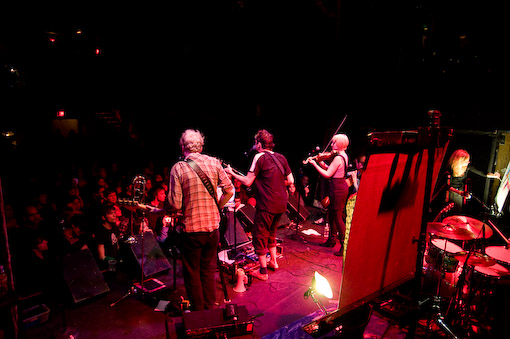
pixel 205 181
pixel 277 162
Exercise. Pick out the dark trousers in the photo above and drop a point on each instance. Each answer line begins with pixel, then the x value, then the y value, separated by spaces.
pixel 265 225
pixel 338 192
pixel 199 260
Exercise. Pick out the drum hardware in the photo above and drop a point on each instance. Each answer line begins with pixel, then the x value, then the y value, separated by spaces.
pixel 472 225
pixel 443 250
pixel 451 232
pixel 474 286
pixel 438 316
pixel 500 253
pixel 475 259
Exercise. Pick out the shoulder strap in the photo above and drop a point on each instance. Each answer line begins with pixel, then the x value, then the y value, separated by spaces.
pixel 277 162
pixel 205 180
pixel 345 166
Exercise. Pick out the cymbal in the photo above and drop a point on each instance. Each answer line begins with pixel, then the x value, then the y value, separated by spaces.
pixel 449 232
pixel 475 259
pixel 473 225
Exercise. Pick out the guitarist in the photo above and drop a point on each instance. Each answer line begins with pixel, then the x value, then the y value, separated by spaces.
pixel 270 174
pixel 201 217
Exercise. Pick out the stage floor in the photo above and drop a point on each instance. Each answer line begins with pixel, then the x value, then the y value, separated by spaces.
pixel 278 306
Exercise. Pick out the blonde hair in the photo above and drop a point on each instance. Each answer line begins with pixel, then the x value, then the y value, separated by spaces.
pixel 342 140
pixel 192 140
pixel 457 156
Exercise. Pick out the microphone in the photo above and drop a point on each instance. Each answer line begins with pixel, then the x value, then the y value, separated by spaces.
pixel 459 192
pixel 248 152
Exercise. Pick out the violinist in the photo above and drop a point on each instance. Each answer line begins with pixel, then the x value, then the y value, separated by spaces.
pixel 333 166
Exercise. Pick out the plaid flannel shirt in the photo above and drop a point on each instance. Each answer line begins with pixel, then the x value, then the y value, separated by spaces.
pixel 188 193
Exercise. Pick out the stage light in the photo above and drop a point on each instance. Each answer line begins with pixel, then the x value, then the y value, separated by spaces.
pixel 61 114
pixel 320 285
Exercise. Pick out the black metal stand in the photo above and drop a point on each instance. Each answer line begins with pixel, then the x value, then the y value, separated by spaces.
pixel 434 137
pixel 138 192
pixel 134 290
pixel 224 217
pixel 296 235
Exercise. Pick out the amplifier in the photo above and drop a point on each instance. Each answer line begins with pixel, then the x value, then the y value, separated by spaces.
pixel 218 323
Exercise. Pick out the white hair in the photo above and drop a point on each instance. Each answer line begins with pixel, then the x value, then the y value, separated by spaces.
pixel 192 140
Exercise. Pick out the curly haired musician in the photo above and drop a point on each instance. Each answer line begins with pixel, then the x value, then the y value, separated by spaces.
pixel 270 174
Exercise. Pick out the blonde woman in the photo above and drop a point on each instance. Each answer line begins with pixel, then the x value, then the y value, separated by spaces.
pixel 335 170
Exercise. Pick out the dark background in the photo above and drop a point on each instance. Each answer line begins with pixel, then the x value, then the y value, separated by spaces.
pixel 229 68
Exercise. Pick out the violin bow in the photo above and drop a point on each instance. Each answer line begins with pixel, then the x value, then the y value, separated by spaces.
pixel 338 128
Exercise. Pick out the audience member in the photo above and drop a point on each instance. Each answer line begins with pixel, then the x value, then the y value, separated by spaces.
pixel 107 236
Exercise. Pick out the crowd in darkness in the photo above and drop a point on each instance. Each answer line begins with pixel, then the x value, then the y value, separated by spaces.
pixel 55 190
pixel 54 193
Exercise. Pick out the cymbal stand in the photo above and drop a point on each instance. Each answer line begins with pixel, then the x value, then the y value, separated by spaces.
pixel 438 317
pixel 455 302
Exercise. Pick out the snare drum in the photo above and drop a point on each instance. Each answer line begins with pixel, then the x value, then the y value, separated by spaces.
pixel 439 251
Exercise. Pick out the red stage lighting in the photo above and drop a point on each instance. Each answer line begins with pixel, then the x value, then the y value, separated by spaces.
pixel 61 114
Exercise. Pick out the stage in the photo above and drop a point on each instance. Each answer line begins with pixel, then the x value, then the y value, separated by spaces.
pixel 276 308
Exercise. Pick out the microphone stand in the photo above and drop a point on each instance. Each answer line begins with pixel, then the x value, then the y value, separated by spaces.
pixel 296 235
pixel 138 192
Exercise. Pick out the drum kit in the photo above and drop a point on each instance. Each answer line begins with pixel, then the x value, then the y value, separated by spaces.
pixel 457 255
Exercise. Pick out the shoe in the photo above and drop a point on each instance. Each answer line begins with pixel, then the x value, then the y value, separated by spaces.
pixel 319 221
pixel 272 266
pixel 329 243
pixel 339 253
pixel 260 276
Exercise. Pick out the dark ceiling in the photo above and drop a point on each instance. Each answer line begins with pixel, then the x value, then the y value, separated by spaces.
pixel 231 67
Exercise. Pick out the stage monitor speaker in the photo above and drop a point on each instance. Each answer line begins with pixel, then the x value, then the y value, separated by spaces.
pixel 246 215
pixel 82 275
pixel 239 237
pixel 154 260
pixel 292 209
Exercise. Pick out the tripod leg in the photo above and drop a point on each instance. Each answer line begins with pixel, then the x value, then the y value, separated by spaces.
pixel 131 291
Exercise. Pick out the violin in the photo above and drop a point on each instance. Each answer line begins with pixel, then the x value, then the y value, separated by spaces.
pixel 322 157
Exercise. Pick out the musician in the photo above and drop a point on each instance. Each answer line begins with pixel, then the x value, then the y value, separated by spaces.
pixel 270 174
pixel 201 218
pixel 459 164
pixel 336 173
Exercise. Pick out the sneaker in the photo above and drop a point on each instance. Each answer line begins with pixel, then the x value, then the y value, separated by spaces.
pixel 271 266
pixel 260 276
pixel 329 243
